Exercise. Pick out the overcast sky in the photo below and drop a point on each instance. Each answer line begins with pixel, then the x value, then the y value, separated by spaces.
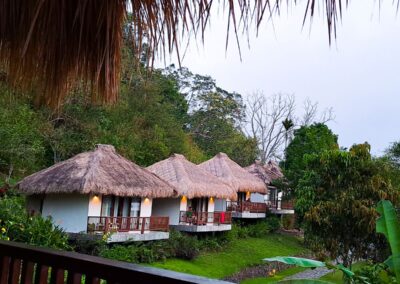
pixel 358 75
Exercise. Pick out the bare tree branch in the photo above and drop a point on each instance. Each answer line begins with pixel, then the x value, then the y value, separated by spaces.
pixel 272 121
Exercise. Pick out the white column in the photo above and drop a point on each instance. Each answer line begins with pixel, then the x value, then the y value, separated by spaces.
pixel 94 205
pixel 211 204
pixel 145 207
pixel 183 204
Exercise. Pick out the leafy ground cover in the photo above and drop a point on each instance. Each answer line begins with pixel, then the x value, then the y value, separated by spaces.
pixel 237 255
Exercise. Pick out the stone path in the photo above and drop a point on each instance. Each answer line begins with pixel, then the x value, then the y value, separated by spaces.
pixel 310 273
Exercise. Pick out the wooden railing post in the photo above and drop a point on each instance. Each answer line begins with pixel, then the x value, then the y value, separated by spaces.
pixel 143 225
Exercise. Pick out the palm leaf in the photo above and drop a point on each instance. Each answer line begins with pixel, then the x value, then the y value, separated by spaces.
pixel 53 46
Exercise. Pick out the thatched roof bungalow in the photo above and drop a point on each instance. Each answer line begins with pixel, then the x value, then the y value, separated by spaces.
pixel 275 199
pixel 229 171
pixel 267 173
pixel 98 191
pixel 250 189
pixel 190 180
pixel 259 171
pixel 102 171
pixel 202 195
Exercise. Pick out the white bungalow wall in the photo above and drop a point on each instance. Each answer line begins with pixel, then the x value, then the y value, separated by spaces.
pixel 69 211
pixel 170 207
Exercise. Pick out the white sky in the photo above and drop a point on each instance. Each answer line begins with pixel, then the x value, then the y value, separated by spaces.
pixel 358 75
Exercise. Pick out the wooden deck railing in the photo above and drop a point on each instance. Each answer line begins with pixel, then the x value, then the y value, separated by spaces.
pixel 204 218
pixel 282 204
pixel 24 264
pixel 246 206
pixel 127 224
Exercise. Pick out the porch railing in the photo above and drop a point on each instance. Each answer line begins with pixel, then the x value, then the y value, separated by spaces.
pixel 246 206
pixel 127 224
pixel 282 204
pixel 21 263
pixel 204 218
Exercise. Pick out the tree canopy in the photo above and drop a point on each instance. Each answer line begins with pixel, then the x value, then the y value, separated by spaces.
pixel 307 140
pixel 338 196
pixel 151 120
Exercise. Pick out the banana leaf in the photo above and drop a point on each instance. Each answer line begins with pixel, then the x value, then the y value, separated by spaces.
pixel 389 225
pixel 299 261
pixel 309 263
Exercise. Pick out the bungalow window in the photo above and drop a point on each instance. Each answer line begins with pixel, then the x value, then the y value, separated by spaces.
pixel 107 206
pixel 135 207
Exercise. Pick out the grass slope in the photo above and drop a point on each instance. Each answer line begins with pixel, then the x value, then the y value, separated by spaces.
pixel 239 254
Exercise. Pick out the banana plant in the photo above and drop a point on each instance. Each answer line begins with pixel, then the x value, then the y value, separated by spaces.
pixel 389 225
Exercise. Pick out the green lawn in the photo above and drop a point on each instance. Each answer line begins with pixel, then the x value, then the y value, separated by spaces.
pixel 239 254
pixel 279 276
pixel 337 276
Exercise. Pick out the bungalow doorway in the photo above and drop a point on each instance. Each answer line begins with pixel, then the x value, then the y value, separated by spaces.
pixel 121 213
pixel 199 205
pixel 199 208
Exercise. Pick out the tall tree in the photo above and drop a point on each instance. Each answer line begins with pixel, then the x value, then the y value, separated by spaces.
pixel 215 116
pixel 393 153
pixel 307 140
pixel 23 147
pixel 338 195
pixel 270 122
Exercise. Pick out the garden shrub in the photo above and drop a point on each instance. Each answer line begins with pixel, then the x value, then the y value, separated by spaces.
pixel 16 225
pixel 121 252
pixel 259 229
pixel 87 246
pixel 178 245
pixel 288 222
pixel 212 243
pixel 273 223
pixel 188 247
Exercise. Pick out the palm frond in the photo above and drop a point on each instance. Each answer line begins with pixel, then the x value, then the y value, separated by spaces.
pixel 53 45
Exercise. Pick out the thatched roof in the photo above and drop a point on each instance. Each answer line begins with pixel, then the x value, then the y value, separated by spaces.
pixel 53 45
pixel 259 171
pixel 267 173
pixel 101 171
pixel 229 171
pixel 190 180
pixel 274 170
